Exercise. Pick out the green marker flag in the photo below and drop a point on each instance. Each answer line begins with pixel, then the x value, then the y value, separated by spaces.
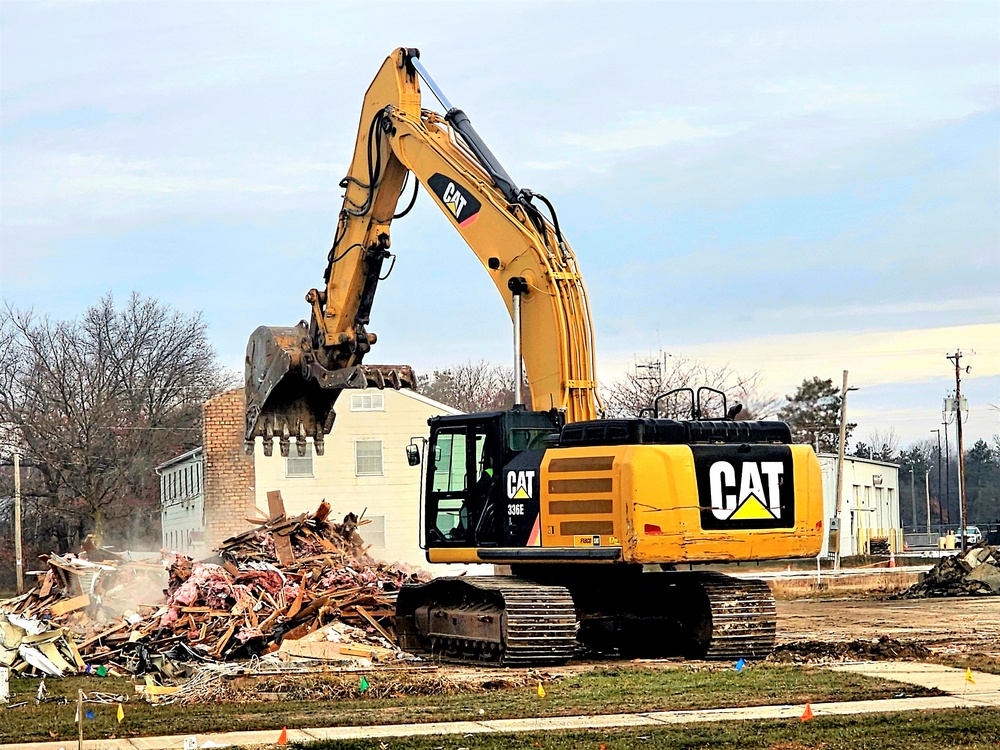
pixel 364 685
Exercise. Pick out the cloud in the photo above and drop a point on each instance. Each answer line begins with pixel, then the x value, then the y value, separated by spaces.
pixel 639 131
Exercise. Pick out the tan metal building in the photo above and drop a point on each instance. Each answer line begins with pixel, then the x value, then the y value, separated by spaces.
pixel 869 507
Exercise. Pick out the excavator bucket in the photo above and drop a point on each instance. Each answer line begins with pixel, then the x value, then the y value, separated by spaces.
pixel 289 394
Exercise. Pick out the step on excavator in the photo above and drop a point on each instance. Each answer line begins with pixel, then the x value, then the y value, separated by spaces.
pixel 601 526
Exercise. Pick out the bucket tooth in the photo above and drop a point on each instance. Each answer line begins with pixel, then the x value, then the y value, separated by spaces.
pixel 284 441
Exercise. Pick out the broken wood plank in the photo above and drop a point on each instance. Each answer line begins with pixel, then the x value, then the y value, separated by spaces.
pixel 275 505
pixel 47 583
pixel 103 634
pixel 283 550
pixel 216 653
pixel 297 604
pixel 70 605
pixel 371 621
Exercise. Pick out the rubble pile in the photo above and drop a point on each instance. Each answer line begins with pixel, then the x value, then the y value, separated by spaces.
pixel 978 572
pixel 303 587
pixel 282 581
pixel 79 599
pixel 883 648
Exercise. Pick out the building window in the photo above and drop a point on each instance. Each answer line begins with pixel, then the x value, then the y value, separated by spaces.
pixel 299 466
pixel 374 533
pixel 367 402
pixel 367 457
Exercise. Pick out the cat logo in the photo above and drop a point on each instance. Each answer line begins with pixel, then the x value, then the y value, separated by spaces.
pixel 460 202
pixel 519 484
pixel 453 199
pixel 746 491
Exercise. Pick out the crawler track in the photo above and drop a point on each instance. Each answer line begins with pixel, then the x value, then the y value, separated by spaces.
pixel 743 617
pixel 498 619
pixel 511 621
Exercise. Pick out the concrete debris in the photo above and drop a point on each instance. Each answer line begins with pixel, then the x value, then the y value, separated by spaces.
pixel 286 580
pixel 978 572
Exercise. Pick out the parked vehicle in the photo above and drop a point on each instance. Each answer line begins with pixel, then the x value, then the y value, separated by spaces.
pixel 973 536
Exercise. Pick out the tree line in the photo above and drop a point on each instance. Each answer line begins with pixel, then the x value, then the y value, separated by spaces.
pixel 812 412
pixel 93 405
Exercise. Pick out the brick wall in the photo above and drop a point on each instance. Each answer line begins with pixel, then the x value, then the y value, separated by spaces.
pixel 229 473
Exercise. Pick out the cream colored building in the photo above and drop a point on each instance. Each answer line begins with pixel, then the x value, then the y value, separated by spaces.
pixel 869 507
pixel 363 470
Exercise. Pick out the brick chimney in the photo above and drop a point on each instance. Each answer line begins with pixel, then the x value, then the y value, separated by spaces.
pixel 229 472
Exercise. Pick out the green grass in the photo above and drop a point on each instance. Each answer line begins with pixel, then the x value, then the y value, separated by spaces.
pixel 627 688
pixel 955 729
pixel 977 662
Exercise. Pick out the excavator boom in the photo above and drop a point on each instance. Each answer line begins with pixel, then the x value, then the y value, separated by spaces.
pixel 294 375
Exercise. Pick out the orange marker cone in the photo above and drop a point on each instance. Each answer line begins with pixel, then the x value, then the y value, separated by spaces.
pixel 892 558
pixel 808 713
pixel 283 737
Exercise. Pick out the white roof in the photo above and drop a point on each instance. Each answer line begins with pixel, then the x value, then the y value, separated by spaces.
pixel 859 459
pixel 177 459
pixel 429 401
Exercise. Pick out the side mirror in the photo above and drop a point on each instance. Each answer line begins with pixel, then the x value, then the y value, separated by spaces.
pixel 412 455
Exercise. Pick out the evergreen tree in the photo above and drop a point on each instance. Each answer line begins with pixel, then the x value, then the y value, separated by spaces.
pixel 813 413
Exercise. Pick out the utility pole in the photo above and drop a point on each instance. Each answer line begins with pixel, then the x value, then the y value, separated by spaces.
pixel 840 469
pixel 939 482
pixel 957 359
pixel 913 494
pixel 18 551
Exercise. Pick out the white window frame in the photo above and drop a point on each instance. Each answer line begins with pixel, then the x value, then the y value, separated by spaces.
pixel 367 402
pixel 381 458
pixel 293 455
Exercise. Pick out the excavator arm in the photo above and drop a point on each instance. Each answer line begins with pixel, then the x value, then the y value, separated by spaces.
pixel 294 375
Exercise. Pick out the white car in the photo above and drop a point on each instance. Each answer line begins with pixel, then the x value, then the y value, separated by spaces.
pixel 973 536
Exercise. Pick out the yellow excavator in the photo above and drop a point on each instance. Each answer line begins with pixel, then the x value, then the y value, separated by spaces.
pixel 599 523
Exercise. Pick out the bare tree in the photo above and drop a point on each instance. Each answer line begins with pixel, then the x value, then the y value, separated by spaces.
pixel 96 403
pixel 650 377
pixel 884 444
pixel 472 387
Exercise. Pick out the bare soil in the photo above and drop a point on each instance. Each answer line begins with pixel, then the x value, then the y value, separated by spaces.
pixel 953 626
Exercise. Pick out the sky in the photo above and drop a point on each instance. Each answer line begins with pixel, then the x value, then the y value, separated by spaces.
pixel 790 188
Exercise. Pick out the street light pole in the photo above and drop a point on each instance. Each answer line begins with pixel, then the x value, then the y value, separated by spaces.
pixel 913 493
pixel 840 469
pixel 927 494
pixel 939 480
pixel 18 551
pixel 947 470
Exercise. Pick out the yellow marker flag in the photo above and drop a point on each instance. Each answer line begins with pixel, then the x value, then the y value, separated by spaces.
pixel 121 713
pixel 541 690
pixel 969 677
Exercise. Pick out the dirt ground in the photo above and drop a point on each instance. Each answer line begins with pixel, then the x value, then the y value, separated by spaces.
pixel 946 626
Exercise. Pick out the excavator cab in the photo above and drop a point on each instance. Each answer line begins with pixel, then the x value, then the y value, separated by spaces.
pixel 465 492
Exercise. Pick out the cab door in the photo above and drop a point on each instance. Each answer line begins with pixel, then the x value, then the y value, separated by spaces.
pixel 461 484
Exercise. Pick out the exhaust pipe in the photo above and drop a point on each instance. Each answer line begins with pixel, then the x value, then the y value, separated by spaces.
pixel 518 286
